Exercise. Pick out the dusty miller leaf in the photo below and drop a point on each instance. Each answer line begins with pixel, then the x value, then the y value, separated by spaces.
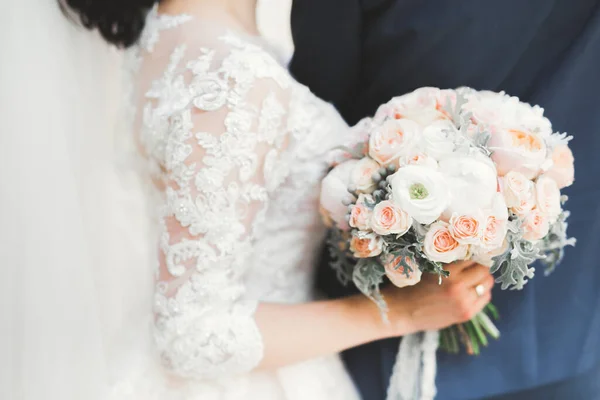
pixel 553 245
pixel 367 276
pixel 513 264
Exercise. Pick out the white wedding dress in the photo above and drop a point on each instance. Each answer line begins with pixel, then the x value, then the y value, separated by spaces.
pixel 235 150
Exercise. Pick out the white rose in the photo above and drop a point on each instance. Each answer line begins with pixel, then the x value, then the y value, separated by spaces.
pixel 485 257
pixel 334 193
pixel 518 150
pixel 393 139
pixel 440 246
pixel 362 175
pixel 516 188
pixel 438 139
pixel 424 106
pixel 421 192
pixel 472 181
pixel 387 218
pixel 548 197
pixel 500 110
pixel 419 159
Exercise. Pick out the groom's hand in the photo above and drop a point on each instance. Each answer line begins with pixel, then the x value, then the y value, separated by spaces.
pixel 429 305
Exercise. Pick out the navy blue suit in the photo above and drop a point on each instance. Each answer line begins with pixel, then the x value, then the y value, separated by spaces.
pixel 358 54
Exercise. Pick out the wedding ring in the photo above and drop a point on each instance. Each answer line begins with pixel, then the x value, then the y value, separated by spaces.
pixel 480 290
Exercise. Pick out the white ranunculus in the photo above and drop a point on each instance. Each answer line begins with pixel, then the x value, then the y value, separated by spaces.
pixel 472 181
pixel 334 192
pixel 438 139
pixel 421 192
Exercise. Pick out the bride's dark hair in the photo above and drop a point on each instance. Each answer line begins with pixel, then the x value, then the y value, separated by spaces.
pixel 120 22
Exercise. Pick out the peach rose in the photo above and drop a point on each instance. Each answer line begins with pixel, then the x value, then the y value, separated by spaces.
pixel 362 175
pixel 393 139
pixel 548 197
pixel 562 170
pixel 515 187
pixel 535 225
pixel 361 212
pixel 440 246
pixel 398 274
pixel 467 229
pixel 365 245
pixel 387 218
pixel 518 150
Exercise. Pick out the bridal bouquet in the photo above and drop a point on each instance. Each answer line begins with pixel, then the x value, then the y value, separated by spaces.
pixel 447 175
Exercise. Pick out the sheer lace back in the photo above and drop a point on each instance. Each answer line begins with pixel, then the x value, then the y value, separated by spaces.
pixel 236 149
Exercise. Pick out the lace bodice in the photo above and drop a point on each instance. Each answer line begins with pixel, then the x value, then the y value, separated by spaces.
pixel 236 149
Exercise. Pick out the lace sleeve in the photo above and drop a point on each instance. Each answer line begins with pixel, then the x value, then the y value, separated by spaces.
pixel 215 135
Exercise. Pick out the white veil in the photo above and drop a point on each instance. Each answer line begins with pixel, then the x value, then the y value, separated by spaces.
pixel 75 253
pixel 72 245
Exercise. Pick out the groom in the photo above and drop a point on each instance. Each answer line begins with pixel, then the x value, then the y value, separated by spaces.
pixel 358 54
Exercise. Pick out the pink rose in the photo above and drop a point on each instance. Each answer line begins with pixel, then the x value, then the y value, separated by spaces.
pixel 365 245
pixel 467 229
pixel 535 225
pixel 398 274
pixel 496 225
pixel 562 170
pixel 362 175
pixel 361 212
pixel 387 218
pixel 516 188
pixel 440 246
pixel 518 150
pixel 548 197
pixel 334 193
pixel 393 139
pixel 521 197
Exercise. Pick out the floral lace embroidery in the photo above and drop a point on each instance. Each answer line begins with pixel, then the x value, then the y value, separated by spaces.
pixel 239 149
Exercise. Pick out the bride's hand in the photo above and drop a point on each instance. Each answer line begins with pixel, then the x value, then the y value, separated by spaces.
pixel 429 305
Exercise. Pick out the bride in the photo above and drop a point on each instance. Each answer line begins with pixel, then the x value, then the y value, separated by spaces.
pixel 232 150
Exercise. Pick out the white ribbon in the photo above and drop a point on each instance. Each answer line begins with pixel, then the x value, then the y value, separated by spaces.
pixel 413 376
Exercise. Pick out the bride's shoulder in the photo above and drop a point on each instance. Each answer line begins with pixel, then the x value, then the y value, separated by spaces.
pixel 203 46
